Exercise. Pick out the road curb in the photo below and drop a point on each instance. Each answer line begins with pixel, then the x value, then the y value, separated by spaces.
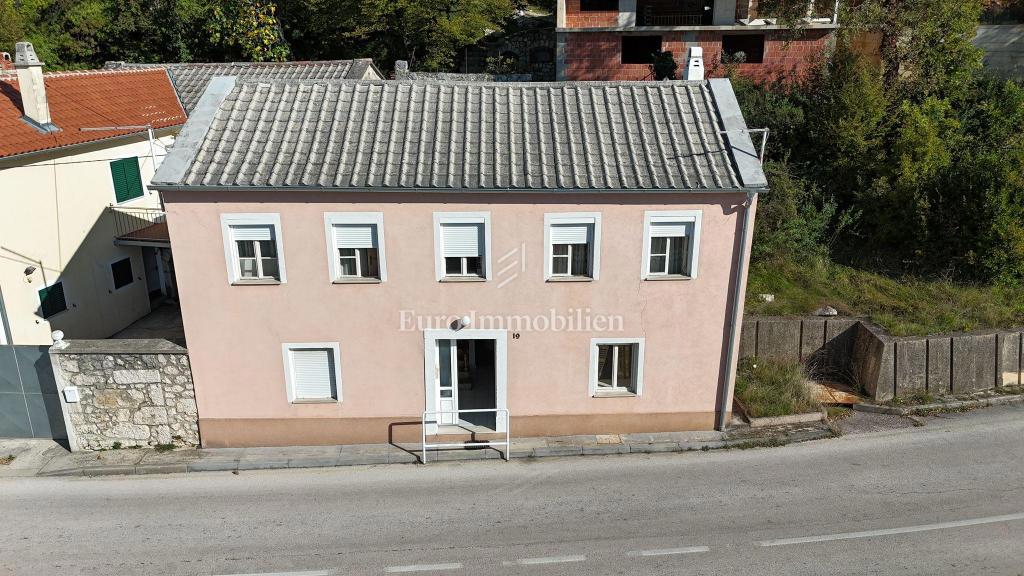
pixel 938 406
pixel 243 463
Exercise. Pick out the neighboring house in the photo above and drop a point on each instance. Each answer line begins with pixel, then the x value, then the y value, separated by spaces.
pixel 615 39
pixel 191 78
pixel 75 205
pixel 1004 48
pixel 574 254
pixel 77 150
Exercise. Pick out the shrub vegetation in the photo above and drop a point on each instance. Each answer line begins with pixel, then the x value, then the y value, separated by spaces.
pixel 896 183
pixel 769 388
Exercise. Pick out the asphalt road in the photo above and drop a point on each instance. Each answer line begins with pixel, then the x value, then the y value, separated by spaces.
pixel 947 498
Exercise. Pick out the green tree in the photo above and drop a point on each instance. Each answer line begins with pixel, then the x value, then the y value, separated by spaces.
pixel 926 45
pixel 65 33
pixel 11 27
pixel 428 33
pixel 155 30
pixel 247 30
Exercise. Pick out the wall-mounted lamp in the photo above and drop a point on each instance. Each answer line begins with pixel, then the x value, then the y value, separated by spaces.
pixel 29 270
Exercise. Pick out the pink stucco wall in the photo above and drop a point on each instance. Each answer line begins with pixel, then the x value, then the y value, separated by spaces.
pixel 235 333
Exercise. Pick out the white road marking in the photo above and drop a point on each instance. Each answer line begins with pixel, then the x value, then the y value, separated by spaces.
pixel 423 568
pixel 546 560
pixel 892 531
pixel 669 551
pixel 315 573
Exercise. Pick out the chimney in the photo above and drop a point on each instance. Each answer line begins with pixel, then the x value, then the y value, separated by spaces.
pixel 32 87
pixel 695 64
pixel 6 63
pixel 401 69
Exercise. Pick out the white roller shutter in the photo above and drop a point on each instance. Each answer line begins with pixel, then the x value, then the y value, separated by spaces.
pixel 669 229
pixel 461 240
pixel 570 233
pixel 252 232
pixel 355 236
pixel 313 373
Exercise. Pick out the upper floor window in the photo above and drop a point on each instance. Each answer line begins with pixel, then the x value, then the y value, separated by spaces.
pixel 253 248
pixel 599 5
pixel 462 245
pixel 671 241
pixel 640 49
pixel 127 179
pixel 573 246
pixel 355 245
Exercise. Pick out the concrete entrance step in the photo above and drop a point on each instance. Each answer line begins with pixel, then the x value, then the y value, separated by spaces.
pixel 835 393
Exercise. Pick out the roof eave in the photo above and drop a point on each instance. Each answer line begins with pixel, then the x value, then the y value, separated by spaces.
pixel 174 187
pixel 161 131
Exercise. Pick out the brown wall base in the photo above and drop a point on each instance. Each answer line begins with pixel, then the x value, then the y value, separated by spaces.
pixel 244 432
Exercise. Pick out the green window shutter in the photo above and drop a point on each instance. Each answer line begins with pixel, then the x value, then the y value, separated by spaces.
pixel 127 179
pixel 51 300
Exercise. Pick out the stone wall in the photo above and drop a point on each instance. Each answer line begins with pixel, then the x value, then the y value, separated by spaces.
pixel 131 392
pixel 885 367
pixel 402 72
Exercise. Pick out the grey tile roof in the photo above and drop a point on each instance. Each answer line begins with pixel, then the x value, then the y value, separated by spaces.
pixel 468 136
pixel 191 79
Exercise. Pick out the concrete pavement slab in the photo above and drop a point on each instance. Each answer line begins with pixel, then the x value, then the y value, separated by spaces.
pixel 593 449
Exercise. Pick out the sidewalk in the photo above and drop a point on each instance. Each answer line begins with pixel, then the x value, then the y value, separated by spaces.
pixel 56 461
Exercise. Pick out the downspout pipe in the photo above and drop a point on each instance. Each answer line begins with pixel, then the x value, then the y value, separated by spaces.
pixel 737 317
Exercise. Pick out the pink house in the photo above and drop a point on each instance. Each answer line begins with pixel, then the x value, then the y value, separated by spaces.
pixel 357 258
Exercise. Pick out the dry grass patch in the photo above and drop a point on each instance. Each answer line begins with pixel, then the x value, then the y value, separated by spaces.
pixel 906 306
pixel 768 388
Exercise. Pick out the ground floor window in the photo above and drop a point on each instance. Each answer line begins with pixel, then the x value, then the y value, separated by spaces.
pixel 640 49
pixel 743 48
pixel 312 372
pixel 51 300
pixel 121 271
pixel 616 367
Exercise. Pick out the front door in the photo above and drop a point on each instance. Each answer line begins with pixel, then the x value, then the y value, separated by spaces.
pixel 465 370
pixel 447 381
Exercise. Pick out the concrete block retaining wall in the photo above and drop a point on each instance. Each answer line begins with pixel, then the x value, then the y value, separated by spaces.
pixel 132 392
pixel 886 367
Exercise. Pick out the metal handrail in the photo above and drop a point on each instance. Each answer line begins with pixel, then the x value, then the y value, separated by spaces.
pixel 129 220
pixel 490 443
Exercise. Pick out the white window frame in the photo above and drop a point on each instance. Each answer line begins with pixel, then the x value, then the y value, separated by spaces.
pixel 440 218
pixel 375 219
pixel 227 221
pixel 286 350
pixel 110 272
pixel 590 218
pixel 638 373
pixel 692 217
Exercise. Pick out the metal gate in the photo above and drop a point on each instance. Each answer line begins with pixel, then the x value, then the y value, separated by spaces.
pixel 29 402
pixel 30 406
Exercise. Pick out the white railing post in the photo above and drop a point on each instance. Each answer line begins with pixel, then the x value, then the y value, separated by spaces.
pixel 423 430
